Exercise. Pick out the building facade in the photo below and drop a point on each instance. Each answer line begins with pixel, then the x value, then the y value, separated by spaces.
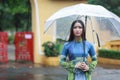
pixel 41 11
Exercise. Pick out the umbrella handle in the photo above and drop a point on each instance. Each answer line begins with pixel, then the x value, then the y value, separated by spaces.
pixel 98 39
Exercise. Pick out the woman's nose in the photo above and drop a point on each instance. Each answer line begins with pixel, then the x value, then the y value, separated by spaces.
pixel 78 28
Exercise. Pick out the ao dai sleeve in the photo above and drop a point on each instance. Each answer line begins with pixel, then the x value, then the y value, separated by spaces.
pixel 63 62
pixel 93 56
pixel 92 53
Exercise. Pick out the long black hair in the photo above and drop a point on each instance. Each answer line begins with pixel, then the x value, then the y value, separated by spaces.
pixel 72 36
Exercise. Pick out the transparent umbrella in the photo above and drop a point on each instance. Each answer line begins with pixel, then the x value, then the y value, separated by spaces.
pixel 97 19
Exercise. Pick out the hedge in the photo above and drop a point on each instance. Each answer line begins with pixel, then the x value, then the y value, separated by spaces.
pixel 113 54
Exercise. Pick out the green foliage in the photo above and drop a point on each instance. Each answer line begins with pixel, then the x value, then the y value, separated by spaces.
pixel 15 15
pixel 11 39
pixel 60 43
pixel 50 49
pixel 112 5
pixel 109 53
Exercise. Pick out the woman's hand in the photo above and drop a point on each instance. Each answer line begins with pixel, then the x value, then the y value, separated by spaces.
pixel 78 65
pixel 84 66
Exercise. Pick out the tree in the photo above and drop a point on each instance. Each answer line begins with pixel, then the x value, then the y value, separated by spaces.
pixel 112 5
pixel 15 15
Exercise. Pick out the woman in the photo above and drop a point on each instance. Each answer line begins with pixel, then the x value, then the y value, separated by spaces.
pixel 75 53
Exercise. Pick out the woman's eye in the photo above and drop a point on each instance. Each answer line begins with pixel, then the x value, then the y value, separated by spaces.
pixel 77 27
pixel 74 27
pixel 80 27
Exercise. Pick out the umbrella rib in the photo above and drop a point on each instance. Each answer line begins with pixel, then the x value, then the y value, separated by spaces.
pixel 48 27
pixel 92 31
pixel 114 28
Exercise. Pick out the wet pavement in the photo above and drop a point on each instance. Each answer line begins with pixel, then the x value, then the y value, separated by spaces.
pixel 28 71
pixel 11 52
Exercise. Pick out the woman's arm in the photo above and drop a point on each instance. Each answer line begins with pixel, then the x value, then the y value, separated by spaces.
pixel 92 66
pixel 93 56
pixel 66 64
pixel 63 60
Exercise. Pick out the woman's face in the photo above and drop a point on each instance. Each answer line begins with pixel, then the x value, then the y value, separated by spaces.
pixel 77 29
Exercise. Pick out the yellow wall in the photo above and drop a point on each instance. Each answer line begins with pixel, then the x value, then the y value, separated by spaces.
pixel 49 7
pixel 45 9
pixel 113 45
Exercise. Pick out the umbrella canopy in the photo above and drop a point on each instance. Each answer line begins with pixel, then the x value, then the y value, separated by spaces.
pixel 96 14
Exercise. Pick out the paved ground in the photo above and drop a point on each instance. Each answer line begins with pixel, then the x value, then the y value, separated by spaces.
pixel 11 52
pixel 23 71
